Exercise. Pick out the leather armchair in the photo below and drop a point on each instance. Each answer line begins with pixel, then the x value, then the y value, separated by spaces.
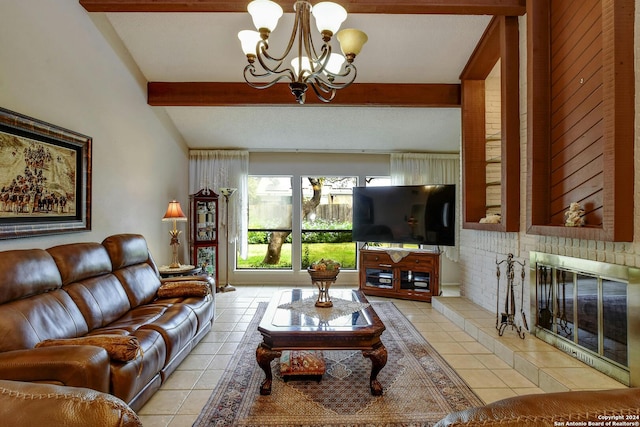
pixel 25 404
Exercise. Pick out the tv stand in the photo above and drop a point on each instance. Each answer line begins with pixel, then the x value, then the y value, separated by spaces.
pixel 400 273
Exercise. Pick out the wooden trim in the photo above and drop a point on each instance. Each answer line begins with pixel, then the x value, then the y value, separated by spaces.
pixel 510 91
pixel 485 55
pixel 208 94
pixel 499 42
pixel 538 114
pixel 454 7
pixel 474 135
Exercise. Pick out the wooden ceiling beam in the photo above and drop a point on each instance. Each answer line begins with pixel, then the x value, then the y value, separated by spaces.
pixel 209 94
pixel 453 7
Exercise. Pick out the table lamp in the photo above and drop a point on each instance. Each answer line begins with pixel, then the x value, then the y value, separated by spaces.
pixel 174 213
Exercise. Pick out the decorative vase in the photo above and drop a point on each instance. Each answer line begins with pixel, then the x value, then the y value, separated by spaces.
pixel 323 280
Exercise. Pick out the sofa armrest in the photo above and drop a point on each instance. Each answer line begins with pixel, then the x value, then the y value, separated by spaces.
pixel 79 366
pixel 548 408
pixel 29 404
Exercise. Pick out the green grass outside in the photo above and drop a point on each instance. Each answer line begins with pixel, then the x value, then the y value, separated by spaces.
pixel 344 253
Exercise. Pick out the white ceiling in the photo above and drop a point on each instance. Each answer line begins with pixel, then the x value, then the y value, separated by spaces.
pixel 191 47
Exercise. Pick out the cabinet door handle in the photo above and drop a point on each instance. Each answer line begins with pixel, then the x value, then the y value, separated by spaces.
pixel 385 265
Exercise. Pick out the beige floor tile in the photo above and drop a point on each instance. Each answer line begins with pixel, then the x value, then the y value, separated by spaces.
pixel 481 378
pixel 463 361
pixel 182 380
pixel 461 336
pixel 182 421
pixel 436 336
pixel 475 347
pixel 583 378
pixel 155 420
pixel 492 361
pixel 194 402
pixel 489 395
pixel 207 348
pixel 524 391
pixel 209 379
pixel 513 378
pixel 165 402
pixel 449 348
pixel 196 362
pixel 228 347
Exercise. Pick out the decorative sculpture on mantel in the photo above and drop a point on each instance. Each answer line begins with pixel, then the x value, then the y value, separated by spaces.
pixel 574 216
pixel 508 316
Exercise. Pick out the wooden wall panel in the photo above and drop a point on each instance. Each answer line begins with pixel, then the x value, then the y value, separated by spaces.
pixel 576 109
pixel 580 121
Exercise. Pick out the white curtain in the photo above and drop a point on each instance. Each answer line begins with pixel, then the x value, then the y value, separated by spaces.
pixel 423 169
pixel 215 169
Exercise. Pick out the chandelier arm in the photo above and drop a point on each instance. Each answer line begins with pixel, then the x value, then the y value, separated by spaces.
pixel 250 70
pixel 347 73
pixel 320 96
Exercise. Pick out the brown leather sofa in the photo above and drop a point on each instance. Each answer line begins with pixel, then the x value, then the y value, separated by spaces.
pixel 95 289
pixel 25 404
pixel 554 409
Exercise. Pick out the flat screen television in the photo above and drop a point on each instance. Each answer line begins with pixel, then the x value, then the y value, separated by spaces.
pixel 418 214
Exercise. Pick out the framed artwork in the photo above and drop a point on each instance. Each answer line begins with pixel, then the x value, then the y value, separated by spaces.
pixel 45 178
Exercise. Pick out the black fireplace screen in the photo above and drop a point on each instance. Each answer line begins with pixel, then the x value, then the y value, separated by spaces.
pixel 587 310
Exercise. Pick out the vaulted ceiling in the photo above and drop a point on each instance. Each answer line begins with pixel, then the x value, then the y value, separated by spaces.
pixel 406 96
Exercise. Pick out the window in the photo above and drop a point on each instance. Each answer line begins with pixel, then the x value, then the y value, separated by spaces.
pixel 270 223
pixel 326 220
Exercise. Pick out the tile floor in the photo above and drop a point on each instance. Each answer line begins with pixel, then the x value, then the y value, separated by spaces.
pixel 462 332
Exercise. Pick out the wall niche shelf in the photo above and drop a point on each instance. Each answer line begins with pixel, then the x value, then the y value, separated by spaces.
pixel 580 130
pixel 490 159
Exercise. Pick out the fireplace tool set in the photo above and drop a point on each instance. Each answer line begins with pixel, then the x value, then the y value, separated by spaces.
pixel 508 316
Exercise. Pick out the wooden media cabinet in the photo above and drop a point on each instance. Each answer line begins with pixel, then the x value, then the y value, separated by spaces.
pixel 400 273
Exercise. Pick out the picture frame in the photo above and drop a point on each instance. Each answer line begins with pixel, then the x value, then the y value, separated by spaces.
pixel 45 178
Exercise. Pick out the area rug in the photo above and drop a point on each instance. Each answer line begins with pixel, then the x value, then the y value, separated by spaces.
pixel 420 388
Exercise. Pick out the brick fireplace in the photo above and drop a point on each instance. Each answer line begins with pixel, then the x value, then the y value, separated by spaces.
pixel 590 310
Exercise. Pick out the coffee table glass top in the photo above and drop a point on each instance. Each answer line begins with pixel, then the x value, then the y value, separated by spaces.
pixel 294 309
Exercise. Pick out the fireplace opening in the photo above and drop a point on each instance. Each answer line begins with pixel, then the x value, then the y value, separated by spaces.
pixel 583 308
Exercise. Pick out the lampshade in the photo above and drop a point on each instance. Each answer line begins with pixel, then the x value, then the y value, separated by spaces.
pixel 249 39
pixel 329 16
pixel 306 65
pixel 335 63
pixel 174 212
pixel 227 191
pixel 265 14
pixel 351 41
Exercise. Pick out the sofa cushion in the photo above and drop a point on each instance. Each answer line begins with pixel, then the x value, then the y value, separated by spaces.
pixel 26 322
pixel 100 299
pixel 183 289
pixel 126 249
pixel 27 272
pixel 119 347
pixel 78 261
pixel 140 282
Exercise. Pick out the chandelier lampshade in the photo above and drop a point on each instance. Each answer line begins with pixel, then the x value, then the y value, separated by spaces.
pixel 304 67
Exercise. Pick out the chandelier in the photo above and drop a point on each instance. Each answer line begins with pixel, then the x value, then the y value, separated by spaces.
pixel 324 71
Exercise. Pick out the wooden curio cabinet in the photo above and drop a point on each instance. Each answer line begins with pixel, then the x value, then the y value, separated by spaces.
pixel 203 233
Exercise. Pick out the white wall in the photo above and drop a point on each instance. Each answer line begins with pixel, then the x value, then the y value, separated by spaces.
pixel 56 66
pixel 481 249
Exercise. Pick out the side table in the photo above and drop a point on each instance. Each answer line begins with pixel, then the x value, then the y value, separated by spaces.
pixel 183 270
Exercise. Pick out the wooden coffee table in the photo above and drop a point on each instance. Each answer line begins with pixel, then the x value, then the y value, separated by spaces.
pixel 290 329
